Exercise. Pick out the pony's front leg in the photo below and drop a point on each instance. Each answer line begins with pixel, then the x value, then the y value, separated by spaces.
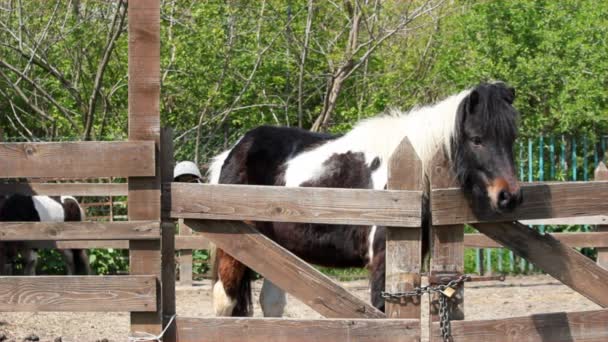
pixel 272 299
pixel 31 260
pixel 68 260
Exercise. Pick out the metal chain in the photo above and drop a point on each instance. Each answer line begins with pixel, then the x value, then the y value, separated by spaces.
pixel 444 312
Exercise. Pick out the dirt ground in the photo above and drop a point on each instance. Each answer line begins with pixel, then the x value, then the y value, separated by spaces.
pixel 516 296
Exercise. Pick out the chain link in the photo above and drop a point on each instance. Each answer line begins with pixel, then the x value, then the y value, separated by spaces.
pixel 444 312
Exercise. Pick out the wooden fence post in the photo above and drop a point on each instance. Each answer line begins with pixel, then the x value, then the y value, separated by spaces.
pixel 601 174
pixel 144 124
pixel 446 243
pixel 403 245
pixel 185 257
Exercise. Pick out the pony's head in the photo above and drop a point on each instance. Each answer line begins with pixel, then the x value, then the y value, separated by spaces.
pixel 482 148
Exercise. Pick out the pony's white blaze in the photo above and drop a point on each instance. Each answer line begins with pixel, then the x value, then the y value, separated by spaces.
pixel 48 209
pixel 216 167
pixel 370 248
pixel 428 128
pixel 222 303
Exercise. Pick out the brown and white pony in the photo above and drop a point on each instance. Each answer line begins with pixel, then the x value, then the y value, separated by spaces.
pixel 477 128
pixel 20 208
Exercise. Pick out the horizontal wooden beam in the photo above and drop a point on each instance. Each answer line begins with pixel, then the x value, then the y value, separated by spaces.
pixel 191 242
pixel 78 293
pixel 65 189
pixel 128 230
pixel 569 221
pixel 79 244
pixel 558 260
pixel 294 330
pixel 88 159
pixel 541 200
pixel 281 204
pixel 181 242
pixel 560 326
pixel 284 269
pixel 589 239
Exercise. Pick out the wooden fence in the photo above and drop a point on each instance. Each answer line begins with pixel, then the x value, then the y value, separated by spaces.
pixel 218 211
pixel 148 291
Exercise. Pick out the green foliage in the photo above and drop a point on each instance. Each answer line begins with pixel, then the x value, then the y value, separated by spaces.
pixel 108 261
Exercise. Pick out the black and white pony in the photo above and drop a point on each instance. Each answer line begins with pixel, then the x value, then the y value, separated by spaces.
pixel 476 127
pixel 20 208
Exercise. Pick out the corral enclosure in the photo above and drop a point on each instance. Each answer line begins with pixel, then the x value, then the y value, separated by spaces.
pixel 154 203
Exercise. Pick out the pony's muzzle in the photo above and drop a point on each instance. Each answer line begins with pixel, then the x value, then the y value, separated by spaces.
pixel 504 196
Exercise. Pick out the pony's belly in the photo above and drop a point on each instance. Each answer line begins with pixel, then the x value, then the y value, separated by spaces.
pixel 323 245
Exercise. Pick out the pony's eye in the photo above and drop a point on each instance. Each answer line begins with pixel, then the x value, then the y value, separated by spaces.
pixel 476 140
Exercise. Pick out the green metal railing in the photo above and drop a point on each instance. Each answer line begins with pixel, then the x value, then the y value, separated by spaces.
pixel 538 157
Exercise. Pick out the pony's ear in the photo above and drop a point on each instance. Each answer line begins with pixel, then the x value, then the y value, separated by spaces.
pixel 472 101
pixel 510 94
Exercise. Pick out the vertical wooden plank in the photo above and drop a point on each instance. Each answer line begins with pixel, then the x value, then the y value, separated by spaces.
pixel 144 124
pixel 167 237
pixel 185 257
pixel 447 243
pixel 403 246
pixel 601 173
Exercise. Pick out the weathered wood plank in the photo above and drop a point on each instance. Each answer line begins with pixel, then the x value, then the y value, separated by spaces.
pixel 134 230
pixel 280 204
pixel 185 254
pixel 190 242
pixel 286 270
pixel 569 221
pixel 144 124
pixel 560 261
pixel 403 246
pixel 601 174
pixel 541 200
pixel 80 244
pixel 65 189
pixel 447 244
pixel 589 239
pixel 168 230
pixel 181 243
pixel 555 327
pixel 294 330
pixel 85 159
pixel 78 293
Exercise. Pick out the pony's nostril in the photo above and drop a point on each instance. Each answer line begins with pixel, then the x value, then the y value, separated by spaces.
pixel 504 198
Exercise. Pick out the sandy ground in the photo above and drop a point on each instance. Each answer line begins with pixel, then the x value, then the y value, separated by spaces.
pixel 516 296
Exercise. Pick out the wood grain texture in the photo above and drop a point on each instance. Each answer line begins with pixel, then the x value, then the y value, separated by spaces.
pixel 403 246
pixel 185 254
pixel 284 269
pixel 80 244
pixel 168 230
pixel 588 326
pixel 591 220
pixel 65 189
pixel 134 230
pixel 144 124
pixel 78 293
pixel 446 242
pixel 558 260
pixel 295 330
pixel 588 239
pixel 85 159
pixel 541 200
pixel 280 204
pixel 601 174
